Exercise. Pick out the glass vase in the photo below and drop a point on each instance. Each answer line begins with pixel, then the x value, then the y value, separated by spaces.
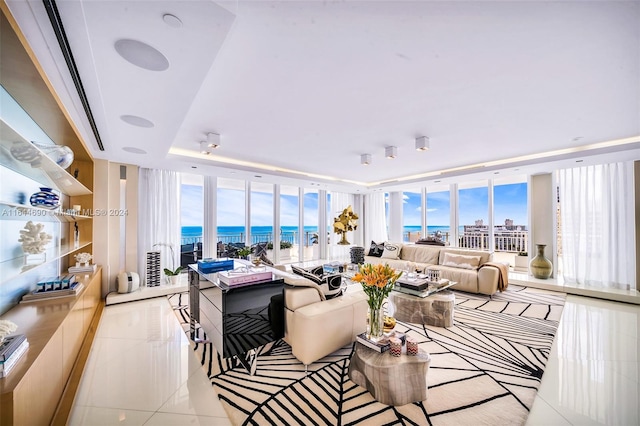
pixel 375 326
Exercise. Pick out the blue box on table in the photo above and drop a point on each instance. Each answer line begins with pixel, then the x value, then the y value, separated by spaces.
pixel 209 266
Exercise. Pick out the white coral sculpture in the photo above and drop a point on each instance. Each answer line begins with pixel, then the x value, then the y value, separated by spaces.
pixel 33 238
pixel 83 257
pixel 6 328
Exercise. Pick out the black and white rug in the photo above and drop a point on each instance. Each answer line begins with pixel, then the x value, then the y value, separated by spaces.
pixel 486 369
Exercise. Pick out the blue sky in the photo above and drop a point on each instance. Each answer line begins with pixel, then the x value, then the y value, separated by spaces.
pixel 510 201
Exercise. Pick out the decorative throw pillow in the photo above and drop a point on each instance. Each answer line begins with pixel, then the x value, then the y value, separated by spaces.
pixel 376 250
pixel 306 274
pixel 461 261
pixel 318 271
pixel 391 251
pixel 332 286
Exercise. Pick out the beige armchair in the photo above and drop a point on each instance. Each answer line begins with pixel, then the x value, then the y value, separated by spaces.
pixel 316 327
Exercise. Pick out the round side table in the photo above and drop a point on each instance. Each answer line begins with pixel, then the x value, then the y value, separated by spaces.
pixel 391 380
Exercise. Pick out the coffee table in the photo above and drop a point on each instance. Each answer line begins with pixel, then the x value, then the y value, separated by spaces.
pixel 390 380
pixel 430 307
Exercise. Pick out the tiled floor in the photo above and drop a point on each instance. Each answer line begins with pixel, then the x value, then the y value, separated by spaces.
pixel 141 370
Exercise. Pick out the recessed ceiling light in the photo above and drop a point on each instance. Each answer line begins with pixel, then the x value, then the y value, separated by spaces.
pixel 141 55
pixel 258 176
pixel 579 161
pixel 172 20
pixel 193 167
pixel 437 181
pixel 134 150
pixel 496 173
pixel 134 120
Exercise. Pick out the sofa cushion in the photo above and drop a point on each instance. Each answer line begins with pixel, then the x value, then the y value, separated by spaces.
pixel 461 261
pixel 331 285
pixel 376 249
pixel 421 254
pixel 485 256
pixel 466 279
pixel 391 251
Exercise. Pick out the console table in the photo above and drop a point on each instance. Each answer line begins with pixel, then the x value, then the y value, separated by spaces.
pixel 236 319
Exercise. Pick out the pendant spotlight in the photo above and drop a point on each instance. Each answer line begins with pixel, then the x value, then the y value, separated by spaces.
pixel 391 152
pixel 365 159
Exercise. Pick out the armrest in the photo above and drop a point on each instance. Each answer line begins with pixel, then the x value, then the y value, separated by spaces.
pixel 297 297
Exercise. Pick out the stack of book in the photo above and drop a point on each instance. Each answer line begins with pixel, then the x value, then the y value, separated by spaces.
pixel 11 349
pixel 81 269
pixel 383 344
pixel 421 284
pixel 40 294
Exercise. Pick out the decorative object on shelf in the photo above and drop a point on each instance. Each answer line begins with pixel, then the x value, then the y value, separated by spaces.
pixel 6 328
pixel 345 222
pixel 377 282
pixel 45 198
pixel 153 269
pixel 357 255
pixel 25 153
pixel 61 155
pixel 21 197
pixel 127 282
pixel 76 235
pixel 83 258
pixel 33 238
pixel 77 208
pixel 540 266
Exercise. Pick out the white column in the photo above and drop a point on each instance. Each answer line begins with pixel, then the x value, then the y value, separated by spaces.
pixel 276 224
pixel 454 216
pixel 322 223
pixel 247 213
pixel 491 247
pixel 542 212
pixel 423 216
pixel 395 216
pixel 210 225
pixel 300 224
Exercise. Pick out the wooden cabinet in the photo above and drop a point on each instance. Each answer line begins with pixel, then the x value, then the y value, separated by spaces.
pixel 56 330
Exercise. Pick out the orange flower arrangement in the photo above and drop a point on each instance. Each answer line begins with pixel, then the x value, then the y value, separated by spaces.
pixel 377 282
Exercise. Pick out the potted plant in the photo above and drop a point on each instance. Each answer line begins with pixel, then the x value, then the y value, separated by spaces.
pixel 244 252
pixel 521 262
pixel 173 275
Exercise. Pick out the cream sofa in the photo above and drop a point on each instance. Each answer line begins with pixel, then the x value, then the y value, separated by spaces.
pixel 453 264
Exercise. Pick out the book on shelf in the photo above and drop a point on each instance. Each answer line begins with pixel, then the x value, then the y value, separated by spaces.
pixel 82 269
pixel 9 345
pixel 52 294
pixel 383 344
pixel 12 360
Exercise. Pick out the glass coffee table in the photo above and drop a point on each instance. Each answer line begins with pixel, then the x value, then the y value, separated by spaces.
pixel 432 306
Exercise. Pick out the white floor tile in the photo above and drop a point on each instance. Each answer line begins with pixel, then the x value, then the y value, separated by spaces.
pixel 542 414
pixel 96 416
pixel 167 419
pixel 196 396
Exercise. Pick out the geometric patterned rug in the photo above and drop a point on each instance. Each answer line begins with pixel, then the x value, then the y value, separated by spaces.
pixel 485 370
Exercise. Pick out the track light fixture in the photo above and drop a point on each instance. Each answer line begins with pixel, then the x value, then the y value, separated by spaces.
pixel 204 148
pixel 391 152
pixel 213 140
pixel 422 143
pixel 365 159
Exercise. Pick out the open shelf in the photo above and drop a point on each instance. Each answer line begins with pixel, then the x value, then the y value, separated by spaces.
pixel 36 164
pixel 30 212
pixel 14 267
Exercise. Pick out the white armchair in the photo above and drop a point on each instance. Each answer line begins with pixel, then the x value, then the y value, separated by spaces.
pixel 314 326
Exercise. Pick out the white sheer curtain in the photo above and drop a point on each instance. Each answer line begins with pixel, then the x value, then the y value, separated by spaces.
pixel 375 221
pixel 158 217
pixel 597 225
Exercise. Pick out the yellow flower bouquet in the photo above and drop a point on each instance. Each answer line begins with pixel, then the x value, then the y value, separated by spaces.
pixel 377 282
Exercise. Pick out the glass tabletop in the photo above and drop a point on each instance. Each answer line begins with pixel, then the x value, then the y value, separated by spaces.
pixel 431 289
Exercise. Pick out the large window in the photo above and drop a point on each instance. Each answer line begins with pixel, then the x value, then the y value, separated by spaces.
pixel 289 220
pixel 510 218
pixel 473 213
pixel 310 236
pixel 261 212
pixel 411 214
pixel 231 213
pixel 191 218
pixel 439 212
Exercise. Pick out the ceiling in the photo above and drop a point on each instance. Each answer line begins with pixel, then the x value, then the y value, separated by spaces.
pixel 304 88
